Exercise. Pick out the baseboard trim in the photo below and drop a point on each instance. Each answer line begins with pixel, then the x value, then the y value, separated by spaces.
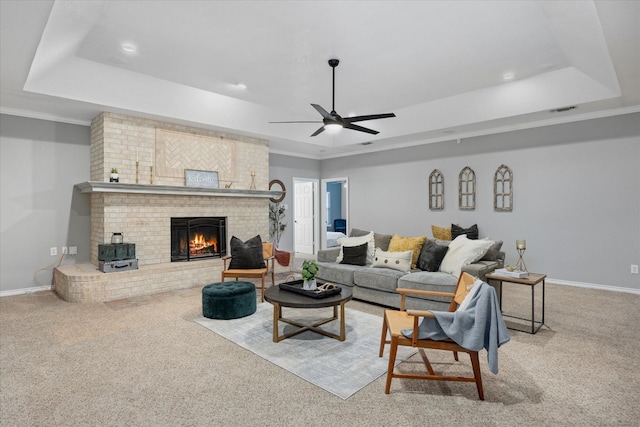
pixel 24 291
pixel 34 289
pixel 593 286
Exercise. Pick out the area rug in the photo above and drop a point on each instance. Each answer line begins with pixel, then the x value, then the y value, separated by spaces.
pixel 339 367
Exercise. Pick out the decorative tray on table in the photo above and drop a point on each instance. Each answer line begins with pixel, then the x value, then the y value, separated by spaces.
pixel 296 286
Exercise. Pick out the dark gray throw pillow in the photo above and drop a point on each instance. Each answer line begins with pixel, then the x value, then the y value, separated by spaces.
pixel 431 255
pixel 247 254
pixel 354 255
pixel 471 232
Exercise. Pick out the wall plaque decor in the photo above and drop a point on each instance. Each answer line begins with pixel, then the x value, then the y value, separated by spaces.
pixel 503 189
pixel 436 190
pixel 203 179
pixel 467 189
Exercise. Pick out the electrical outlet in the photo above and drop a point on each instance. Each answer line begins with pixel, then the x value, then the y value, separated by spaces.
pixel 634 268
pixel 73 250
pixel 54 251
pixel 65 250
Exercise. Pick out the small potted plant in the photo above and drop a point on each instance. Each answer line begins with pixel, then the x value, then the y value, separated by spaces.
pixel 114 177
pixel 309 271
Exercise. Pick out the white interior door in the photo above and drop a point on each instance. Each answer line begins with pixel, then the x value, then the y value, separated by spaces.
pixel 304 214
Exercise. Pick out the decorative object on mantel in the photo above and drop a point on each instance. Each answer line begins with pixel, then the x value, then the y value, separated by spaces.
pixel 309 270
pixel 521 246
pixel 467 189
pixel 279 183
pixel 436 190
pixel 253 180
pixel 228 185
pixel 202 179
pixel 137 172
pixel 114 177
pixel 503 189
pixel 150 174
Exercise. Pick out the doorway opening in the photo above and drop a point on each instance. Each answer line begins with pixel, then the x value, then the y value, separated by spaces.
pixel 335 210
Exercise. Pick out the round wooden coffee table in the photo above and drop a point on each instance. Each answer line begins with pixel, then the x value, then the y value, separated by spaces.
pixel 281 298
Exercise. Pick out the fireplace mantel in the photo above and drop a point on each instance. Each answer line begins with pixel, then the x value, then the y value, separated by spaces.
pixel 116 187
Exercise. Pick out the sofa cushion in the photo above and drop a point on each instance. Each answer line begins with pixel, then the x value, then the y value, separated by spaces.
pixel 380 240
pixel 381 279
pixel 431 256
pixel 357 241
pixel 355 255
pixel 429 281
pixel 338 273
pixel 441 232
pixel 414 244
pixel 463 251
pixel 400 261
pixel 471 232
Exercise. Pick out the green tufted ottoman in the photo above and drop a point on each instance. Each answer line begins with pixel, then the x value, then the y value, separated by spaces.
pixel 228 300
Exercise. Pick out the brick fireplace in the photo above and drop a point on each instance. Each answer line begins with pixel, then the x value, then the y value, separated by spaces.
pixel 151 158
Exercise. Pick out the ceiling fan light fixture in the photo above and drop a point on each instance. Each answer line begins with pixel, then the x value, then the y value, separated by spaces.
pixel 333 128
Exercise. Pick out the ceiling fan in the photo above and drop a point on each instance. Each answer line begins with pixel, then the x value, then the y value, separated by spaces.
pixel 333 122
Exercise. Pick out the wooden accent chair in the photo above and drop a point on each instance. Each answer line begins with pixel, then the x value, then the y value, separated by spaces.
pixel 395 321
pixel 269 261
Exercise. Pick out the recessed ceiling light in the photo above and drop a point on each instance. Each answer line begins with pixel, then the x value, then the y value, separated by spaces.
pixel 128 47
pixel 508 76
pixel 241 86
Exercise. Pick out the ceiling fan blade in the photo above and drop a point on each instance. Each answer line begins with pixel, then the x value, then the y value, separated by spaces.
pixel 315 121
pixel 319 131
pixel 360 128
pixel 368 117
pixel 324 113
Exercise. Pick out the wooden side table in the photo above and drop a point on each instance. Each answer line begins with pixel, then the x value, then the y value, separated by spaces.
pixel 531 281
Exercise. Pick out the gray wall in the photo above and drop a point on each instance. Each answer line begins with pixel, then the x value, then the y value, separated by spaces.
pixel 576 195
pixel 40 162
pixel 285 168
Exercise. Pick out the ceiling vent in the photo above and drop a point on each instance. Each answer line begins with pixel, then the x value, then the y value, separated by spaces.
pixel 563 109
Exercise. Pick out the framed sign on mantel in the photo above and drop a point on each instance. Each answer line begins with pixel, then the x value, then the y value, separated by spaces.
pixel 202 179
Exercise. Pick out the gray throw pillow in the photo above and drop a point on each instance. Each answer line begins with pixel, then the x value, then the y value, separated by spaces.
pixel 431 256
pixel 380 240
pixel 246 255
pixel 494 251
pixel 354 255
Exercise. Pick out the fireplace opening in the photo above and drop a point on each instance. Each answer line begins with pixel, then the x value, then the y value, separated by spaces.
pixel 198 238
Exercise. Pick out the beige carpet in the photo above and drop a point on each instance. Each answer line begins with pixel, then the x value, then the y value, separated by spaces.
pixel 339 367
pixel 145 362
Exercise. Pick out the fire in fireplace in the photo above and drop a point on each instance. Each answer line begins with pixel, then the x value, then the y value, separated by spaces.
pixel 198 238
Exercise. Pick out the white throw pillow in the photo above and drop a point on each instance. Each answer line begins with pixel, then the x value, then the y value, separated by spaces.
pixel 394 260
pixel 463 251
pixel 470 295
pixel 357 241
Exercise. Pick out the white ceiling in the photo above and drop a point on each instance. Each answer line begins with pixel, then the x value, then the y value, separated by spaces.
pixel 438 65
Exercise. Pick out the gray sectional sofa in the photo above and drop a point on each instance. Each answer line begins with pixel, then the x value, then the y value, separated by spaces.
pixel 378 285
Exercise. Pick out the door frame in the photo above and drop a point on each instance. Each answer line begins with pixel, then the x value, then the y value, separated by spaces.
pixel 323 201
pixel 316 212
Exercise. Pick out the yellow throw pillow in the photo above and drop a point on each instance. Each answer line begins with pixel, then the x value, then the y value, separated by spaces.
pixel 441 232
pixel 402 244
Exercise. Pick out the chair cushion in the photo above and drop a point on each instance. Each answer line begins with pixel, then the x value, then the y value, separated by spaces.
pixel 246 254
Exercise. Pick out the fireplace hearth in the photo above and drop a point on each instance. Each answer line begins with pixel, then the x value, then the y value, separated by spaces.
pixel 198 238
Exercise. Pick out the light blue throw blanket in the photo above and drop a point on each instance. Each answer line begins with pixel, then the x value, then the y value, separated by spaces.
pixel 478 326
